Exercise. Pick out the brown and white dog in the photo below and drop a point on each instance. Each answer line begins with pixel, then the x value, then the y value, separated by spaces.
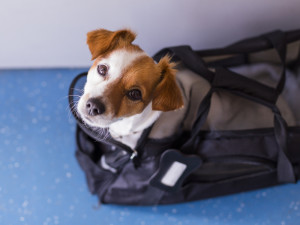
pixel 126 90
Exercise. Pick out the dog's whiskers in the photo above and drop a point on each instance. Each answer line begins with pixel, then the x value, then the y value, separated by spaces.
pixel 73 109
pixel 102 133
pixel 78 90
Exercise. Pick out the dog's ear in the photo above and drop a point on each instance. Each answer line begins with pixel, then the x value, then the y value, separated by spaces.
pixel 167 95
pixel 101 41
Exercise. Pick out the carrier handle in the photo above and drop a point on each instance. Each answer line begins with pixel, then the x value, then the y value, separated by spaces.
pixel 193 61
pixel 276 39
pixel 250 88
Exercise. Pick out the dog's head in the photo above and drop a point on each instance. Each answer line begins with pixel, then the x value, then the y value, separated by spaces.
pixel 123 80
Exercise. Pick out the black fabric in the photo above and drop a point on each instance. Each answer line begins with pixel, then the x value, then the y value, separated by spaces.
pixel 229 161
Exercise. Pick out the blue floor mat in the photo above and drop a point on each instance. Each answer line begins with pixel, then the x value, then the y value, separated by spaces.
pixel 42 184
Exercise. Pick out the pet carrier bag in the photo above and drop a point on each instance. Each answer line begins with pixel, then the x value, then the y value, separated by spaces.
pixel 200 163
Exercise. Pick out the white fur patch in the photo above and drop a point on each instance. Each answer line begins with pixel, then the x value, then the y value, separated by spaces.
pixel 128 130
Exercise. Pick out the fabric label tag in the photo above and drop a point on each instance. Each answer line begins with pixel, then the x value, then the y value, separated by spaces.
pixel 174 168
pixel 173 174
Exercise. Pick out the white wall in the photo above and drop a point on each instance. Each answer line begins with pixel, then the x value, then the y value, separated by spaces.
pixel 40 33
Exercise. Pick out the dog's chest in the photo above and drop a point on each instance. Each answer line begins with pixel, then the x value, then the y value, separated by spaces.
pixel 131 139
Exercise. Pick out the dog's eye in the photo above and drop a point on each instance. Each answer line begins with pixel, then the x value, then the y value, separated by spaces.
pixel 134 95
pixel 102 69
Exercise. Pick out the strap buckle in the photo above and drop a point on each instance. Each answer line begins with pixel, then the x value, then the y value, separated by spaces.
pixel 134 154
pixel 115 160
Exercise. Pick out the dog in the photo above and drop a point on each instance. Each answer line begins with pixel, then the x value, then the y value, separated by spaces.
pixel 127 91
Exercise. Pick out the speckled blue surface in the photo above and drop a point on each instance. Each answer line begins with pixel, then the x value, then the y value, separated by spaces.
pixel 42 184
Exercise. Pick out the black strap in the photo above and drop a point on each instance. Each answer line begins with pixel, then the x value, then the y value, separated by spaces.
pixel 202 113
pixel 278 41
pixel 189 58
pixel 285 171
pixel 294 65
pixel 245 87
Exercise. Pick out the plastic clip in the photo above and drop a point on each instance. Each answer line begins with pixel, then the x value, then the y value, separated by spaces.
pixel 134 154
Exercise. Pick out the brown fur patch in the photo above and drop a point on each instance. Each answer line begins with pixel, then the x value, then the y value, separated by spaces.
pixel 142 74
pixel 102 41
pixel 145 75
pixel 167 95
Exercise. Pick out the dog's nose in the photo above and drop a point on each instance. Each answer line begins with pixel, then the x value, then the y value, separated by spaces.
pixel 95 107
